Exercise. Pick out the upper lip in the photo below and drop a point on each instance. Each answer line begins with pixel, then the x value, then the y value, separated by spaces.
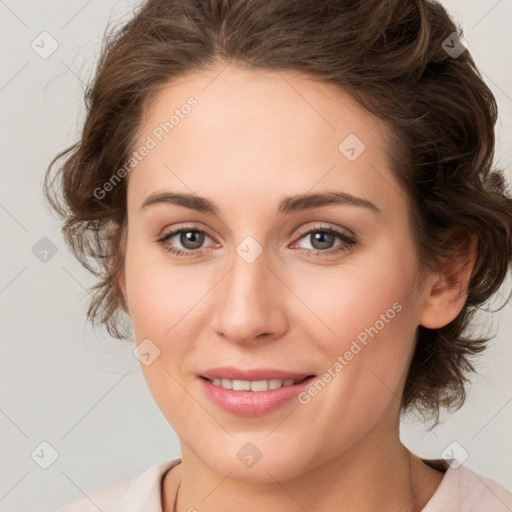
pixel 231 373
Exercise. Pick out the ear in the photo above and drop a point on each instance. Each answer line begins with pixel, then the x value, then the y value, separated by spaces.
pixel 446 292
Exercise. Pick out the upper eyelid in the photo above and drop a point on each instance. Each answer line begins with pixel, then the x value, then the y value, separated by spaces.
pixel 167 231
pixel 327 227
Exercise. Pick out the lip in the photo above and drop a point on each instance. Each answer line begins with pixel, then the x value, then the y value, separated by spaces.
pixel 232 373
pixel 252 403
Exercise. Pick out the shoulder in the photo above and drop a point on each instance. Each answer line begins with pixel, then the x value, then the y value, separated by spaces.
pixel 129 495
pixel 100 499
pixel 467 491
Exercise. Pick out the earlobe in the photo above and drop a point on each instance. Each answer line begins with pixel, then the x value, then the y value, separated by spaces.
pixel 446 292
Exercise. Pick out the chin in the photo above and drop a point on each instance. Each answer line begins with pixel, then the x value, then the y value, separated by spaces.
pixel 256 459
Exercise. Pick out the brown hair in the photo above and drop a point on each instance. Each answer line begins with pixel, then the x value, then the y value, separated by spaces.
pixel 392 56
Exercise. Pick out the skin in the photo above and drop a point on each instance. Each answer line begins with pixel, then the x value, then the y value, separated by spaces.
pixel 254 138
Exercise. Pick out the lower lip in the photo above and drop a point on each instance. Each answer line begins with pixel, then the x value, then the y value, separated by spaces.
pixel 252 403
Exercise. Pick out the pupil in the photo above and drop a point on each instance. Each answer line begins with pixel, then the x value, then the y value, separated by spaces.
pixel 324 239
pixel 191 239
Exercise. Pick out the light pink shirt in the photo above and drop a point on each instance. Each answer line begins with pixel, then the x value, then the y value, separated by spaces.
pixel 461 490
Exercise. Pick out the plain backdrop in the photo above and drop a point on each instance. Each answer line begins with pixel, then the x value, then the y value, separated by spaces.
pixel 79 392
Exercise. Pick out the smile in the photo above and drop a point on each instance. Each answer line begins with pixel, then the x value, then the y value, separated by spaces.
pixel 254 395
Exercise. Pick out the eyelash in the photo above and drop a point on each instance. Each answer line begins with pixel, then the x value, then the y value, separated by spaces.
pixel 348 242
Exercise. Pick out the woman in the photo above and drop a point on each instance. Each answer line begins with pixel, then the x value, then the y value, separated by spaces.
pixel 295 203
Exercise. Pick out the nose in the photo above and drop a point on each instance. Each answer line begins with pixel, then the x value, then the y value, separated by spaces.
pixel 250 305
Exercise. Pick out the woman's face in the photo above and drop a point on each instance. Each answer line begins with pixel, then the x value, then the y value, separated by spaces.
pixel 265 278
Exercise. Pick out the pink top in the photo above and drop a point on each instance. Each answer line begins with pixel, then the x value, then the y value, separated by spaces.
pixel 461 490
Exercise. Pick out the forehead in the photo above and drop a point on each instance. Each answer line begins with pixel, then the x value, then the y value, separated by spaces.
pixel 249 128
pixel 238 95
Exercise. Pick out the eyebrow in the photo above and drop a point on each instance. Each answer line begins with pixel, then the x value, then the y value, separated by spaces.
pixel 289 204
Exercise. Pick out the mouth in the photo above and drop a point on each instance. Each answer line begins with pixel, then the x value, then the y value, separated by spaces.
pixel 252 392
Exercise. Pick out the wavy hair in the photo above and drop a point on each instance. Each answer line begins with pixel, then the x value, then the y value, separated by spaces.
pixel 393 57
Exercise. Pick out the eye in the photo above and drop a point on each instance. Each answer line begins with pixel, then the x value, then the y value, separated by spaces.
pixel 322 242
pixel 188 242
pixel 191 239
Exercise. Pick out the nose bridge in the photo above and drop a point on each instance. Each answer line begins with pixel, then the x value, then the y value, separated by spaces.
pixel 247 303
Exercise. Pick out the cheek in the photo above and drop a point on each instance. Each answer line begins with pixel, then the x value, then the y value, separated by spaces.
pixel 371 318
pixel 161 300
pixel 160 295
pixel 364 299
pixel 370 309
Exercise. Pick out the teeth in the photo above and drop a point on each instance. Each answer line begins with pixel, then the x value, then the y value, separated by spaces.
pixel 274 383
pixel 241 385
pixel 226 383
pixel 253 385
pixel 259 385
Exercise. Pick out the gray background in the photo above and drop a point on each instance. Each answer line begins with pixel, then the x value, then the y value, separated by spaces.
pixel 83 393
